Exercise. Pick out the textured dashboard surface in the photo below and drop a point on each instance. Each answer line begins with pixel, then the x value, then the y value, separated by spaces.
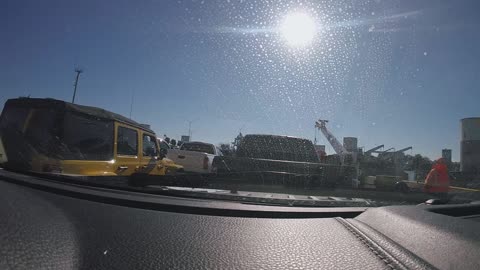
pixel 444 241
pixel 44 230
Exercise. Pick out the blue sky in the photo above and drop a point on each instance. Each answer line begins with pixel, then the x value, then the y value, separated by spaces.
pixel 399 73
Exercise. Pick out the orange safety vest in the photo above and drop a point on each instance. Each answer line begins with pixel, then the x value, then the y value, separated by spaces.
pixel 437 180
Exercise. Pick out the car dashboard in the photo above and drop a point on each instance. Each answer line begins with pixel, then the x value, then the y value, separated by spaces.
pixel 47 224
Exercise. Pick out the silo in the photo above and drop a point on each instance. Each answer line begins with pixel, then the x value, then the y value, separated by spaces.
pixel 350 144
pixel 470 145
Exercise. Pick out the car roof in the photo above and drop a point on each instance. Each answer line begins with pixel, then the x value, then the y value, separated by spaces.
pixel 82 109
pixel 195 142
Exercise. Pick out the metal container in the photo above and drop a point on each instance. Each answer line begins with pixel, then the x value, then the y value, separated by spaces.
pixel 350 144
pixel 321 153
pixel 319 147
pixel 470 145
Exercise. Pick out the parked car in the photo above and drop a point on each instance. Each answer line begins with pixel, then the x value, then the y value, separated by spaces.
pixel 53 136
pixel 195 156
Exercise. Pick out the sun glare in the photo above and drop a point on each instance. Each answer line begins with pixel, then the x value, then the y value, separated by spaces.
pixel 298 29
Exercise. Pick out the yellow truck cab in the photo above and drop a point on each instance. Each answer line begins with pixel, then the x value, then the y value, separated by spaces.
pixel 48 135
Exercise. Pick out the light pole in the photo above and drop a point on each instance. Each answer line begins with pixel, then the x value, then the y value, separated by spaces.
pixel 78 71
pixel 190 128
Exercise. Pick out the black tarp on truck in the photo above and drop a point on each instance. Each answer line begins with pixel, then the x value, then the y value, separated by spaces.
pixel 272 159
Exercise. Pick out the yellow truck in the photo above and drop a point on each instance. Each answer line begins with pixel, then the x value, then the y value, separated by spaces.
pixel 53 136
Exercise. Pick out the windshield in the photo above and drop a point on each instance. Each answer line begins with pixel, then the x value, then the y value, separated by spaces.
pixel 87 138
pixel 55 134
pixel 350 99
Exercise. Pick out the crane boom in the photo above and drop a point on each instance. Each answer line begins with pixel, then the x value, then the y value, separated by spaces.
pixel 373 149
pixel 404 149
pixel 337 146
pixel 392 154
pixel 383 152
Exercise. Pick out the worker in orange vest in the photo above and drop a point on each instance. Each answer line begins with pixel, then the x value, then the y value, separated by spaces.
pixel 437 182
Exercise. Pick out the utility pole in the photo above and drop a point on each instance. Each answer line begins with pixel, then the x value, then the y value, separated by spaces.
pixel 190 128
pixel 78 71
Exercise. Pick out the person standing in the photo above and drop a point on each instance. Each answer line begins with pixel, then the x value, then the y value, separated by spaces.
pixel 437 182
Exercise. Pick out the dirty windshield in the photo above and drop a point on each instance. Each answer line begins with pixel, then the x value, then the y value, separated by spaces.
pixel 319 103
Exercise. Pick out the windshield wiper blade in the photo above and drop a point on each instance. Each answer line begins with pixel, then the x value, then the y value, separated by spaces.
pixel 265 198
pixel 244 197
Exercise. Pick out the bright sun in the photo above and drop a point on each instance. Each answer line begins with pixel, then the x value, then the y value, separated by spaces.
pixel 298 29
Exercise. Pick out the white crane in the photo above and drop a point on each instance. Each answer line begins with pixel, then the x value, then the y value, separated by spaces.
pixel 337 146
pixel 346 157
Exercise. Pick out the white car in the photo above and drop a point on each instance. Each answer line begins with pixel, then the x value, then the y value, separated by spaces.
pixel 195 156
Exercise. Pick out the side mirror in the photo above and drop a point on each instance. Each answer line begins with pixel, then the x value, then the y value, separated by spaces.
pixel 163 153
